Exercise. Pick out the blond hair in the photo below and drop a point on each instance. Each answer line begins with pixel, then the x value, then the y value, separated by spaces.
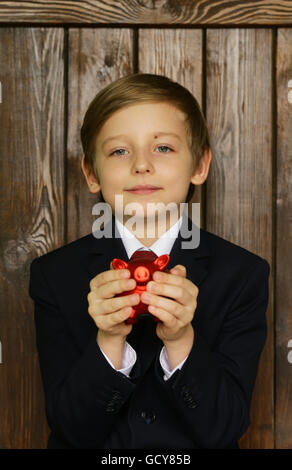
pixel 139 88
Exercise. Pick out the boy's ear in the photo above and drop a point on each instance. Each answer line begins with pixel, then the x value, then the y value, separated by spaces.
pixel 201 173
pixel 93 184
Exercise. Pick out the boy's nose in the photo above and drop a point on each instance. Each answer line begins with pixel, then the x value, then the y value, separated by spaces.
pixel 142 170
pixel 142 165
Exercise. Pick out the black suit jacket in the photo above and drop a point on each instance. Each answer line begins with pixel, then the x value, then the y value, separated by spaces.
pixel 204 405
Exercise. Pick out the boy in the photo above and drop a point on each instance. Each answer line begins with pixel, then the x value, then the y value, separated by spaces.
pixel 187 380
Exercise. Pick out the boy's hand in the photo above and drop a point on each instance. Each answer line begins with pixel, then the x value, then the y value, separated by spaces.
pixel 109 312
pixel 175 315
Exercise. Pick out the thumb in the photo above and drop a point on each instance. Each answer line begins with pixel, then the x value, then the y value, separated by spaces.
pixel 179 270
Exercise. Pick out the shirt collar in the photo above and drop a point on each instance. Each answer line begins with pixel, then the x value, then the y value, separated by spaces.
pixel 162 246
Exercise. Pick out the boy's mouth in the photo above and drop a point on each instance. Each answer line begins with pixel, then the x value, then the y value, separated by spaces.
pixel 143 189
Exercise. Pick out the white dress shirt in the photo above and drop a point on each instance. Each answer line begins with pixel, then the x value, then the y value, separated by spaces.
pixel 162 246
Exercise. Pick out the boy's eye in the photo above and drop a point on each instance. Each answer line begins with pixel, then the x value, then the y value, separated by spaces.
pixel 164 146
pixel 123 150
pixel 118 150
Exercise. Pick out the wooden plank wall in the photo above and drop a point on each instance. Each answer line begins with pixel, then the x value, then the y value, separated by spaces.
pixel 138 12
pixel 283 243
pixel 32 213
pixel 239 189
pixel 240 76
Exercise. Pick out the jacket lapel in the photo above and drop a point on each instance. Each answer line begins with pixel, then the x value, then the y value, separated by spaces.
pixel 196 260
pixel 103 249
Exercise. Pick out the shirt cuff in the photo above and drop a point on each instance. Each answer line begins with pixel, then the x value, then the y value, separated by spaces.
pixel 165 364
pixel 129 359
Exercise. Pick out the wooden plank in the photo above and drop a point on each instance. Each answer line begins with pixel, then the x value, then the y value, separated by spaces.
pixel 31 214
pixel 239 186
pixel 283 294
pixel 182 63
pixel 137 12
pixel 97 57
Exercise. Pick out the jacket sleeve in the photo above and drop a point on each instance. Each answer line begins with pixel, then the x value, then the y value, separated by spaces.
pixel 213 390
pixel 83 393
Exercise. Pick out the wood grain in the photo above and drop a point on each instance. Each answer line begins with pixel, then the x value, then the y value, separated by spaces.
pixel 144 12
pixel 182 63
pixel 31 214
pixel 97 57
pixel 283 294
pixel 239 187
pixel 44 199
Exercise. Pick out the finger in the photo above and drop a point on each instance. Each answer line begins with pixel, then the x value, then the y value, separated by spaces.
pixel 117 317
pixel 179 270
pixel 176 280
pixel 106 276
pixel 117 303
pixel 175 309
pixel 169 320
pixel 178 293
pixel 115 287
pixel 183 313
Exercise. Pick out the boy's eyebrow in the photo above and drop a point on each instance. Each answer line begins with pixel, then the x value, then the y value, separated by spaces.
pixel 155 134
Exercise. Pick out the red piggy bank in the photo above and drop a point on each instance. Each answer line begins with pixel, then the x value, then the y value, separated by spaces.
pixel 142 271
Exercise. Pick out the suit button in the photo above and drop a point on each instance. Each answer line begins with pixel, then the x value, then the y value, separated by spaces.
pixel 148 416
pixel 187 397
pixel 116 394
pixel 111 408
pixel 191 403
pixel 115 402
pixel 117 398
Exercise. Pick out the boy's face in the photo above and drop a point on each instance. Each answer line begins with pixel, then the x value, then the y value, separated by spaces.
pixel 135 146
